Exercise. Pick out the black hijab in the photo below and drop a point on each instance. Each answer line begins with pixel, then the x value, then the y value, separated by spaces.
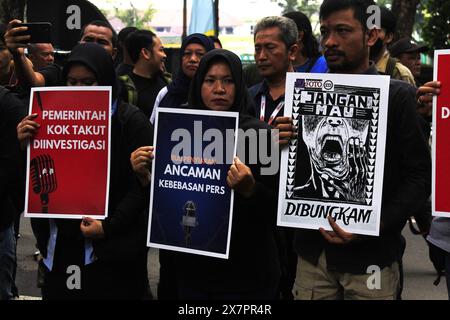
pixel 99 61
pixel 96 59
pixel 242 99
pixel 178 90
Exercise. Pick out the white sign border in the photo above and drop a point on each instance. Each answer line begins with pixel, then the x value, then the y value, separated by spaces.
pixel 380 155
pixel 28 214
pixel 435 213
pixel 179 248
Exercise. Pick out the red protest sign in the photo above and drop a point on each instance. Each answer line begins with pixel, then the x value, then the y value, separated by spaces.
pixel 68 159
pixel 441 136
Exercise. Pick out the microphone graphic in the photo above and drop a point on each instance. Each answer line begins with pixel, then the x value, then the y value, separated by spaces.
pixel 43 178
pixel 39 100
pixel 189 221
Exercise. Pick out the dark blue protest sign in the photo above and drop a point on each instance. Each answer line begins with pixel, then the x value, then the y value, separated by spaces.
pixel 191 204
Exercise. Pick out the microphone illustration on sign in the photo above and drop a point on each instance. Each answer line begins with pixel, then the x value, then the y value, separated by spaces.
pixel 189 221
pixel 39 100
pixel 43 178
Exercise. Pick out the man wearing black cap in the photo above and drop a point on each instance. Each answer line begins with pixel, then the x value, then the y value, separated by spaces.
pixel 408 53
pixel 379 53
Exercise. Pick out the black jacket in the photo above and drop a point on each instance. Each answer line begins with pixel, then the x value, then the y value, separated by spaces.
pixel 11 113
pixel 253 262
pixel 125 228
pixel 406 186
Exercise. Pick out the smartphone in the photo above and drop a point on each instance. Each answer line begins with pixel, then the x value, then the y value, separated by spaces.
pixel 40 32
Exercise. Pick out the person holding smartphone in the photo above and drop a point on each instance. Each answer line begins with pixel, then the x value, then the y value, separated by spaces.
pixel 17 39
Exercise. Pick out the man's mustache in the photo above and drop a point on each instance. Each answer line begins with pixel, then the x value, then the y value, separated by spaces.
pixel 332 52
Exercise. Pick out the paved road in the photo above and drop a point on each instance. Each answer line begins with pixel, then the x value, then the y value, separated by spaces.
pixel 419 272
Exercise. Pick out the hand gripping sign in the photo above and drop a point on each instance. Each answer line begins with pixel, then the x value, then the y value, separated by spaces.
pixel 68 158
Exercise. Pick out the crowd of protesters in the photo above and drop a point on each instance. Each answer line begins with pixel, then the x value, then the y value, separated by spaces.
pixel 266 262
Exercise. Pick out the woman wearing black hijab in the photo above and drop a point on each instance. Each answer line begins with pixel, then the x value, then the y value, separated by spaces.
pixel 252 270
pixel 116 267
pixel 193 48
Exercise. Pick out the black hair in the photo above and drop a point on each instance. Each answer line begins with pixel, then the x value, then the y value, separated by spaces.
pixel 123 34
pixel 137 41
pixel 215 39
pixel 105 24
pixel 310 44
pixel 96 59
pixel 388 20
pixel 287 27
pixel 242 99
pixel 359 8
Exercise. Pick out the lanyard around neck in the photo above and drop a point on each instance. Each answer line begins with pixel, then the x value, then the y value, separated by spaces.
pixel 263 110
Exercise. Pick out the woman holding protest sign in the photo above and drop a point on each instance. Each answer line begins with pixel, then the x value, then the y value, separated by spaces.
pixel 252 270
pixel 110 256
pixel 193 48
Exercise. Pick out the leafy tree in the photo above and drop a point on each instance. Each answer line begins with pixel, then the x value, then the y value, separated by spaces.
pixel 133 18
pixel 384 3
pixel 308 7
pixel 288 5
pixel 436 24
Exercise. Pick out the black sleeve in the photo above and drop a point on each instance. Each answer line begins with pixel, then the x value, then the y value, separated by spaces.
pixel 126 226
pixel 52 75
pixel 264 198
pixel 139 132
pixel 10 115
pixel 412 160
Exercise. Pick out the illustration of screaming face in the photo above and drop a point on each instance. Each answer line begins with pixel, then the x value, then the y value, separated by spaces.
pixel 327 140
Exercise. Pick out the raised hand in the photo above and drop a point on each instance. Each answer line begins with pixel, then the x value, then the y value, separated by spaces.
pixel 240 178
pixel 26 129
pixel 13 40
pixel 338 236
pixel 286 130
pixel 358 169
pixel 425 96
pixel 91 228
pixel 141 160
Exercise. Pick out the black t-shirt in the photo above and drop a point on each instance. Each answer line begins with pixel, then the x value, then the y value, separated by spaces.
pixel 124 69
pixel 52 75
pixel 147 90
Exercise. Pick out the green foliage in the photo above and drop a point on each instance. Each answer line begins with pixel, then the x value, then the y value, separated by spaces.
pixel 436 23
pixel 308 7
pixel 133 18
pixel 311 7
pixel 288 5
pixel 384 3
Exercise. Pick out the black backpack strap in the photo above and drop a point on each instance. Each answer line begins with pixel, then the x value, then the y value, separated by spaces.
pixel 390 66
pixel 129 91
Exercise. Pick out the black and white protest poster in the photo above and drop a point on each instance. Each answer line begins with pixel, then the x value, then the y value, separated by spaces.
pixel 335 164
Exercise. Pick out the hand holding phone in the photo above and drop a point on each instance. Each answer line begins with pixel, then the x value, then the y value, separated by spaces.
pixel 14 39
pixel 39 32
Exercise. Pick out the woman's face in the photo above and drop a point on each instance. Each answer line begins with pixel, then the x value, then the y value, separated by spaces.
pixel 218 88
pixel 191 59
pixel 80 75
